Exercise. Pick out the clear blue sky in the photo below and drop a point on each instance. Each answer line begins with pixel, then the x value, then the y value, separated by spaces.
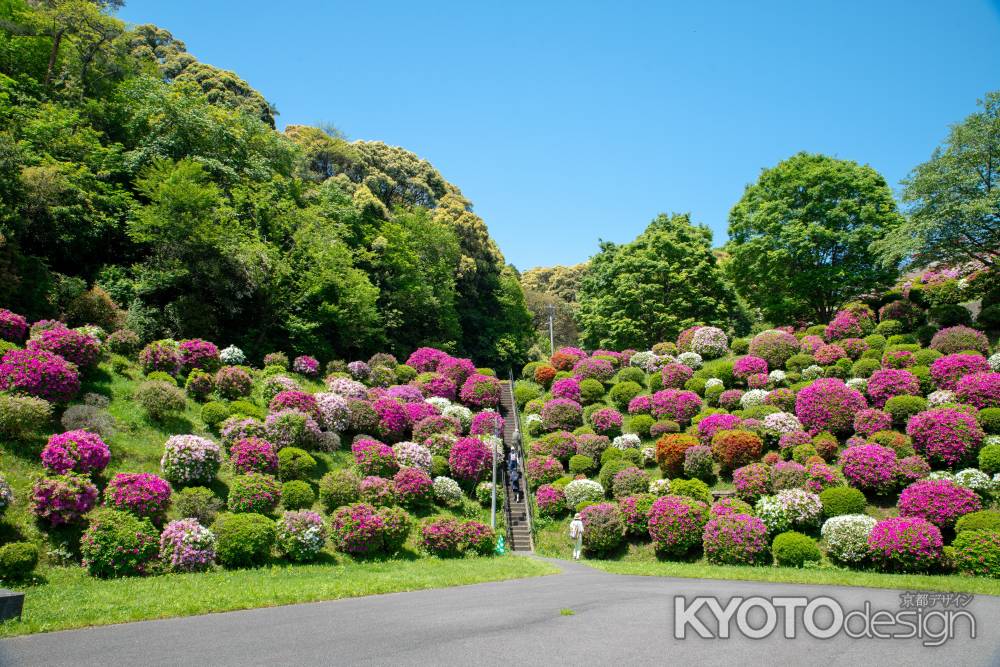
pixel 569 122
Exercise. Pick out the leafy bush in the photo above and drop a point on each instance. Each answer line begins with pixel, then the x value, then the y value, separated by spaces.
pixel 244 540
pixel 297 495
pixel 189 459
pixel 197 502
pixel 734 449
pixel 603 527
pixel 160 399
pixel 981 520
pixel 977 552
pixel 903 407
pixel 692 488
pixel 793 549
pixel 17 560
pixel 118 544
pixel 581 464
pixel 253 493
pixel 187 546
pixel 676 523
pixel 22 416
pixel 905 544
pixel 842 500
pixel 338 488
pixel 76 451
pixel 295 463
pixel 846 537
pixel 300 536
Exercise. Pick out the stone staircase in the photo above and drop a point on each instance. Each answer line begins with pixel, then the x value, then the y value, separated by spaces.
pixel 519 527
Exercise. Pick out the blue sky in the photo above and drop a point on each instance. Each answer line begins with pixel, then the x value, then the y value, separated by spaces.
pixel 566 122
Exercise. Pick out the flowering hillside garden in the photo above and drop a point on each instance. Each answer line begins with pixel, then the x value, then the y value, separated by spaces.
pixel 870 442
pixel 178 456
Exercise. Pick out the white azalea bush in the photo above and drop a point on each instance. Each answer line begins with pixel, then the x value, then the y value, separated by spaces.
pixel 626 441
pixel 846 537
pixel 583 490
pixel 232 356
pixel 447 490
pixel 788 509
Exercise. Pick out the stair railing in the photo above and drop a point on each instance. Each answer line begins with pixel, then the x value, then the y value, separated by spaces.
pixel 518 445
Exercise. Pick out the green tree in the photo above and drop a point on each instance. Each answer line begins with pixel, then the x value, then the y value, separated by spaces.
pixel 646 291
pixel 800 237
pixel 954 198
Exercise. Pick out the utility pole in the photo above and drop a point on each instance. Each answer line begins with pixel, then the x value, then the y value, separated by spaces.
pixel 552 338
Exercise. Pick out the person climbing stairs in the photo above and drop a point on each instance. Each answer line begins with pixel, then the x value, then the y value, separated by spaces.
pixel 517 512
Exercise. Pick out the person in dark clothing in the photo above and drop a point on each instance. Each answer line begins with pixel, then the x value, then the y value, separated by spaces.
pixel 515 485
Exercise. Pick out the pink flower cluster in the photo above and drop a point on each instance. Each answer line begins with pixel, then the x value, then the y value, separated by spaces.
pixel 457 370
pixel 594 369
pixel 712 424
pixel 958 339
pixel 413 486
pixel 425 359
pixel 869 421
pixel 480 391
pixel 606 421
pixel 253 455
pixel 295 400
pixel 486 422
pixel 752 481
pixel 76 451
pixel 561 414
pixel 373 457
pixel 828 405
pixel 161 355
pixel 550 500
pixel 435 384
pixel 939 501
pixel 642 404
pixel 829 354
pixel 749 365
pixel 357 529
pixel 39 373
pixel 676 404
pixel 845 324
pixel 675 375
pixel 392 418
pixel 13 327
pixel 951 368
pixel 232 382
pixel 869 467
pixel 469 459
pixel 567 388
pixel 676 523
pixel 63 499
pixel 908 544
pixel 888 382
pixel 735 539
pixel 980 389
pixel 945 436
pixel 198 353
pixel 306 365
pixel 73 346
pixel 140 493
pixel 187 546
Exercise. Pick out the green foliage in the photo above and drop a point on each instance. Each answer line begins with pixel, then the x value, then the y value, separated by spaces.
pixel 581 464
pixel 903 407
pixel 338 488
pixel 977 552
pixel 800 236
pixel 17 560
pixel 214 413
pixel 640 425
pixel 793 549
pixel 989 459
pixel 840 500
pixel 692 488
pixel 863 368
pixel 243 540
pixel 989 419
pixel 631 374
pixel 297 495
pixel 118 544
pixel 623 392
pixel 196 502
pixel 295 463
pixel 161 400
pixel 649 290
pixel 22 416
pixel 981 520
pixel 526 390
pixel 953 197
pixel 591 391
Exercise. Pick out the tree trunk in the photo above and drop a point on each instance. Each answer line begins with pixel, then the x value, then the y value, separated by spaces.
pixel 53 55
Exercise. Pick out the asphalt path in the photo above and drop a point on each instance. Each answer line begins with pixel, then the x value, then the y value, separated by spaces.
pixel 581 616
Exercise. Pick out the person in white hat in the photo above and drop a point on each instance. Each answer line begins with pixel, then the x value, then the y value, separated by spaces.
pixel 576 533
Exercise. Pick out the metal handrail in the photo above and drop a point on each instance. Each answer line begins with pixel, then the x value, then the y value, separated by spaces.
pixel 518 443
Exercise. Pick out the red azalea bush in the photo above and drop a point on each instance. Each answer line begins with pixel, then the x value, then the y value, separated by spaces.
pixel 980 389
pixel 561 414
pixel 374 458
pixel 469 459
pixel 949 369
pixel 413 486
pixel 140 493
pixel 550 500
pixel 871 468
pixel 939 501
pixel 480 391
pixel 676 524
pixel 76 451
pixel 676 405
pixel 73 346
pixel 200 354
pixel 958 339
pixel 253 455
pixel 670 452
pixel 828 405
pixel 734 449
pixel 889 382
pixel 544 375
pixel 906 544
pixel 945 436
pixel 675 375
pixel 62 500
pixel 39 373
pixel 735 539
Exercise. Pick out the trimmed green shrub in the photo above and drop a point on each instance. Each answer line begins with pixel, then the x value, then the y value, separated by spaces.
pixel 246 408
pixel 196 502
pixel 160 399
pixel 889 327
pixel 253 493
pixel 640 425
pixel 623 392
pixel 797 362
pixel 17 560
pixel 612 468
pixel 925 357
pixel 793 549
pixel 977 552
pixel 580 464
pixel 591 391
pixel 160 376
pixel 989 419
pixel 439 466
pixel 876 342
pixel 525 390
pixel 863 368
pixel 295 463
pixel 697 385
pixel 981 520
pixel 214 413
pixel 119 544
pixel 903 407
pixel 840 500
pixel 631 374
pixel 989 459
pixel 21 416
pixel 297 495
pixel 692 488
pixel 243 540
pixel 340 487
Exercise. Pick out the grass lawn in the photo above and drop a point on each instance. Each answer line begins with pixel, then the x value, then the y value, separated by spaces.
pixel 69 598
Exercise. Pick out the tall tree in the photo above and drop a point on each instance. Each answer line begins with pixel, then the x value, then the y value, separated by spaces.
pixel 646 291
pixel 801 236
pixel 954 198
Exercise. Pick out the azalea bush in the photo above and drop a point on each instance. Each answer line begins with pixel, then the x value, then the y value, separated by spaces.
pixel 603 527
pixel 735 539
pixel 945 436
pixel 75 451
pixel 190 459
pixel 676 524
pixel 940 501
pixel 905 544
pixel 39 373
pixel 140 493
pixel 74 346
pixel 60 500
pixel 300 535
pixel 187 546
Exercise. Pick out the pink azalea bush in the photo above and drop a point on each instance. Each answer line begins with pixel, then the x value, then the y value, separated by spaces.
pixel 374 458
pixel 939 501
pixel 63 499
pixel 870 421
pixel 140 493
pixel 712 424
pixel 301 535
pixel 945 436
pixel 486 422
pixel 845 324
pixel 606 421
pixel 436 384
pixel 480 391
pixel 413 487
pixel 949 369
pixel 676 405
pixel 426 359
pixel 161 355
pixel 187 546
pixel 13 327
pixel 958 339
pixel 190 459
pixel 550 500
pixel 595 369
pixel 675 375
pixel 749 365
pixel 198 353
pixel 253 455
pixel 75 451
pixel 561 414
pixel 980 389
pixel 774 347
pixel 752 481
pixel 828 405
pixel 442 537
pixel 829 354
pixel 295 400
pixel 357 529
pixel 233 382
pixel 306 365
pixel 469 459
pixel 871 468
pixel 676 524
pixel 542 470
pixel 73 346
pixel 393 421
pixel 906 544
pixel 39 373
pixel 889 382
pixel 735 539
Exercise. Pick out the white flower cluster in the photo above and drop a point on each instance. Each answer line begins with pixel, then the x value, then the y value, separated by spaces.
pixel 648 456
pixel 447 490
pixel 626 441
pixel 439 402
pixel 975 479
pixel 776 376
pixel 533 424
pixel 690 359
pixel 753 397
pixel 813 372
pixel 782 422
pixel 659 487
pixel 941 397
pixel 412 455
pixel 860 384
pixel 461 413
pixel 714 382
pixel 233 356
pixel 583 490
pixel 641 359
pixel 790 508
pixel 995 362
pixel 846 537
pixel 710 342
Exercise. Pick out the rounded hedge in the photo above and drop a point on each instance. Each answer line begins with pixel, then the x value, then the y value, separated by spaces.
pixel 977 552
pixel 253 493
pixel 676 523
pixel 793 549
pixel 243 540
pixel 603 527
pixel 981 520
pixel 17 560
pixel 735 539
pixel 119 544
pixel 295 463
pixel 297 495
pixel 840 500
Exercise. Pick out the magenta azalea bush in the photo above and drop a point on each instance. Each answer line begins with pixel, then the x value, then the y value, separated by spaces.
pixel 187 546
pixel 980 389
pixel 357 529
pixel 945 436
pixel 413 487
pixel 752 481
pixel 442 537
pixel 436 384
pixel 393 421
pixel 676 524
pixel 635 513
pixel 200 354
pixel 75 451
pixel 306 365
pixel 845 324
pixel 561 414
pixel 469 459
pixel 871 467
pixel 161 355
pixel 487 422
pixel 594 369
pixel 675 375
pixel 958 339
pixel 949 369
pixel 253 455
pixel 374 458
pixel 870 421
pixel 13 327
pixel 712 424
pixel 295 400
pixel 939 501
pixel 828 405
pixel 606 421
pixel 567 388
pixel 426 359
pixel 73 346
pixel 140 493
pixel 676 405
pixel 906 544
pixel 62 500
pixel 480 391
pixel 735 539
pixel 39 373
pixel 542 470
pixel 889 382
pixel 550 500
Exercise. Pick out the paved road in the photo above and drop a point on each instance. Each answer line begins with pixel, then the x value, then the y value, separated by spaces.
pixel 617 620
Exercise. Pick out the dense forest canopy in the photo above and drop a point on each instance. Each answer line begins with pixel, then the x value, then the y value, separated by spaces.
pixel 132 173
